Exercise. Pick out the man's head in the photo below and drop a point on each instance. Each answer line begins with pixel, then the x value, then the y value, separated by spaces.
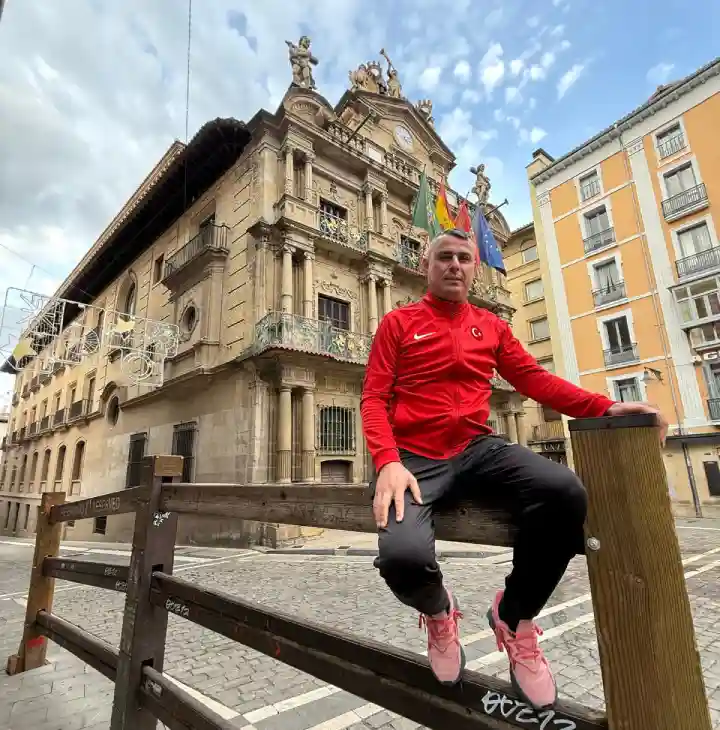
pixel 451 264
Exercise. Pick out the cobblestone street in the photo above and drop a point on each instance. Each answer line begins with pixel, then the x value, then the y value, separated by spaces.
pixel 345 592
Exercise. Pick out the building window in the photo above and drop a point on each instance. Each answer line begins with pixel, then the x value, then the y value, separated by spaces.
pixel 100 525
pixel 529 254
pixel 589 186
pixel 113 411
pixel 534 290
pixel 90 396
pixel 333 221
pixel 78 459
pixel 334 311
pixel 184 445
pixel 608 284
pixel 679 180
pixel 336 430
pixel 158 268
pixel 33 467
pixel 699 301
pixel 598 230
pixel 410 253
pixel 539 329
pixel 45 470
pixel 130 300
pixel 298 179
pixel 694 240
pixel 627 390
pixel 60 466
pixel 136 454
pixel 23 470
pixel 620 347
pixel 706 334
pixel 670 141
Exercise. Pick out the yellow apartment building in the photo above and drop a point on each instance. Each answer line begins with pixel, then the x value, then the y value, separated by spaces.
pixel 628 224
pixel 226 313
pixel 543 426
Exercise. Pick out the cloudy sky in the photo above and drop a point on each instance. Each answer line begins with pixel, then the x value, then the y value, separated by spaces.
pixel 92 92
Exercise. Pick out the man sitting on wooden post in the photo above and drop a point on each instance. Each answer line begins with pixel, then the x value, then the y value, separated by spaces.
pixel 425 405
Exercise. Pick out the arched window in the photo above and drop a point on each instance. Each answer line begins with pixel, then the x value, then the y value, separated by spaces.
pixel 23 469
pixel 33 467
pixel 45 467
pixel 130 299
pixel 60 467
pixel 77 466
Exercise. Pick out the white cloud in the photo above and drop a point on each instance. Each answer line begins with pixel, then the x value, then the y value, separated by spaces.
pixel 533 22
pixel 660 73
pixel 455 127
pixel 514 121
pixel 557 30
pixel 564 44
pixel 532 103
pixel 568 79
pixel 429 78
pixel 512 95
pixel 492 68
pixel 499 115
pixel 471 96
pixel 536 73
pixel 462 70
pixel 548 59
pixel 536 134
pixel 516 66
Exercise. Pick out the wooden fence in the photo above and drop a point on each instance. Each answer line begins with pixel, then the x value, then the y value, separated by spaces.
pixel 650 665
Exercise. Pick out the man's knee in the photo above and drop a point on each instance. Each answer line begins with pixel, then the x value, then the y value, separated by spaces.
pixel 404 551
pixel 565 495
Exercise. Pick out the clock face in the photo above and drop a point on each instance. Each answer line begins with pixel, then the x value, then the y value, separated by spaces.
pixel 403 137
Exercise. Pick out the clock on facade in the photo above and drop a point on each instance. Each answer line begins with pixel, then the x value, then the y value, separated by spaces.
pixel 403 137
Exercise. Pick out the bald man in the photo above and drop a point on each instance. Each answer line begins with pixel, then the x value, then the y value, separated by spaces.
pixel 425 406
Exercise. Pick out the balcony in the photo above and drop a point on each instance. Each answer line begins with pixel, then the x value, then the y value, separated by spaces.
pixel 621 354
pixel 35 384
pixel 688 201
pixel 210 242
pixel 671 145
pixel 714 409
pixel 551 431
pixel 77 410
pixel 44 424
pixel 33 429
pixel 589 189
pixel 409 255
pixel 280 330
pixel 59 417
pixel 22 433
pixel 335 228
pixel 44 378
pixel 708 259
pixel 610 293
pixel 599 240
pixel 499 383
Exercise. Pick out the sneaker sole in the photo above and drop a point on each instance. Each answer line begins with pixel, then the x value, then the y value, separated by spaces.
pixel 514 683
pixel 453 682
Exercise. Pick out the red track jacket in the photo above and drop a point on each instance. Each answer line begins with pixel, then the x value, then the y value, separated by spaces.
pixel 427 384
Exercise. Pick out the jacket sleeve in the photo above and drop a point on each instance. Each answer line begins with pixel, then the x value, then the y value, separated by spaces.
pixel 522 371
pixel 377 394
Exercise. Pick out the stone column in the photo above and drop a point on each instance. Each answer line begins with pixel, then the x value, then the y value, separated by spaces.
pixel 387 300
pixel 511 426
pixel 289 168
pixel 367 189
pixel 383 214
pixel 286 280
pixel 308 259
pixel 309 159
pixel 284 434
pixel 372 304
pixel 260 276
pixel 521 428
pixel 308 435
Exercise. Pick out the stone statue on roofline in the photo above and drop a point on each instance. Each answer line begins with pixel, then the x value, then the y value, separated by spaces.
pixel 482 184
pixel 301 62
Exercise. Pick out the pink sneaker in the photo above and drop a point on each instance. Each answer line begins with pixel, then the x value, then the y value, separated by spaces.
pixel 530 672
pixel 445 653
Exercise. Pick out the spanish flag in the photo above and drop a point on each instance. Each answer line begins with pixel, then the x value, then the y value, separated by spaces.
pixel 442 209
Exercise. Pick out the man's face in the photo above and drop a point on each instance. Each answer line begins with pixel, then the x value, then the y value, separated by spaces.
pixel 451 268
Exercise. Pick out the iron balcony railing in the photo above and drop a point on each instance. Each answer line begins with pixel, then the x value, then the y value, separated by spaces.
pixel 33 429
pixel 409 255
pixel 22 433
pixel 590 189
pixel 684 201
pixel 708 259
pixel 621 354
pixel 59 417
pixel 77 410
pixel 550 431
pixel 671 145
pixel 211 238
pixel 609 293
pixel 599 239
pixel 336 228
pixel 714 408
pixel 293 332
pixel 44 424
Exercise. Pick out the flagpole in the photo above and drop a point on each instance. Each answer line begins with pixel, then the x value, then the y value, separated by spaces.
pixel 496 207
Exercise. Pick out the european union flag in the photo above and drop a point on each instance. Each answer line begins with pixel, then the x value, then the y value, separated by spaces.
pixel 487 245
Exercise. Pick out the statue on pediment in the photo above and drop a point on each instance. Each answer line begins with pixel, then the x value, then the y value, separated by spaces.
pixel 368 77
pixel 425 107
pixel 301 62
pixel 482 184
pixel 394 87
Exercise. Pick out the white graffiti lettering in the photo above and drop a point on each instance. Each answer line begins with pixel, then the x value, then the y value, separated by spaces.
pixel 177 608
pixel 120 585
pixel 159 518
pixel 109 570
pixel 495 702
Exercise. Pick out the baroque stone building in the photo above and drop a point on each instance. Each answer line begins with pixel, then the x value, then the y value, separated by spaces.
pixel 272 249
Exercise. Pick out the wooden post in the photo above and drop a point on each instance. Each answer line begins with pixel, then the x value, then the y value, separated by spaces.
pixel 650 663
pixel 33 647
pixel 142 641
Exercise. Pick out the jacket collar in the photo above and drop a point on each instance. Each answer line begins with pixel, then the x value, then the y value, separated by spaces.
pixel 445 308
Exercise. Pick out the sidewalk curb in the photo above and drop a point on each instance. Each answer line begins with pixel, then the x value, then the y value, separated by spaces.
pixel 367 552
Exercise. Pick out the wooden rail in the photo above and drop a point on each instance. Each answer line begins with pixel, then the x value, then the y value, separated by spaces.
pixel 650 665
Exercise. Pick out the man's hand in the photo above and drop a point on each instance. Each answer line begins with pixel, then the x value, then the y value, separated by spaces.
pixel 392 482
pixel 627 409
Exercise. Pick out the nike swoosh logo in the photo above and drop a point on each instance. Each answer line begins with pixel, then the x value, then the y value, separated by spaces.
pixel 423 336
